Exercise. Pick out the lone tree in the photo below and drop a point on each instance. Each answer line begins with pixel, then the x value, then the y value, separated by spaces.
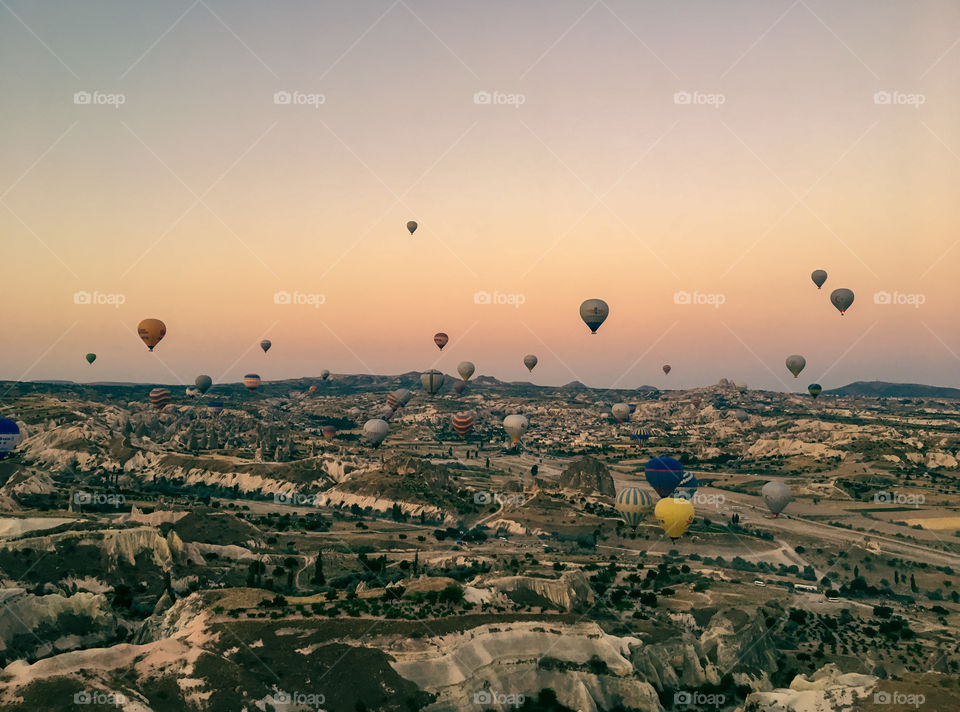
pixel 318 578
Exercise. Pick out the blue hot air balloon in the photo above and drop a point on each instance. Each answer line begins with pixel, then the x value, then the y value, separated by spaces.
pixel 664 475
pixel 9 436
pixel 640 434
pixel 687 487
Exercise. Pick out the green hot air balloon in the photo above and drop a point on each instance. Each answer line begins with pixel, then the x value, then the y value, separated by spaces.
pixel 815 389
pixel 203 383
pixel 594 312
pixel 842 299
pixel 91 358
pixel 819 277
pixel 795 364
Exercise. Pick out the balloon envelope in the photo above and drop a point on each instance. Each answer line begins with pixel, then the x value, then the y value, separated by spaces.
pixel 159 397
pixel 324 375
pixel 375 431
pixel 412 227
pixel 251 381
pixel 431 381
pixel 795 364
pixel 91 358
pixel 265 345
pixel 594 312
pixel 664 474
pixel 328 431
pixel 9 436
pixel 203 383
pixel 675 515
pixel 215 407
pixel 465 369
pixel 841 299
pixel 621 411
pixel 515 425
pixel 776 495
pixel 634 504
pixel 819 277
pixel 312 389
pixel 440 339
pixel 459 386
pixel 640 435
pixel 530 361
pixel 667 368
pixel 151 331
pixel 462 423
pixel 815 389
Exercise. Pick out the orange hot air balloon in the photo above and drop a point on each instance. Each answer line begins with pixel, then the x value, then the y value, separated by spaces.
pixel 151 331
pixel 251 381
pixel 462 423
pixel 329 432
pixel 440 339
pixel 312 389
pixel 159 397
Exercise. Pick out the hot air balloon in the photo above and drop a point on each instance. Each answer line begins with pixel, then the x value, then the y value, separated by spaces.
pixel 203 383
pixel 440 339
pixel 640 435
pixel 776 495
pixel 215 407
pixel 465 369
pixel 741 415
pixel 151 331
pixel 594 312
pixel 324 375
pixel 329 432
pixel 398 398
pixel 634 504
pixel 431 381
pixel 675 515
pixel 387 412
pixel 9 436
pixel 159 397
pixel 664 474
pixel 632 407
pixel 375 431
pixel 91 358
pixel 530 361
pixel 458 387
pixel 841 299
pixel 666 368
pixel 819 277
pixel 354 412
pixel 795 364
pixel 815 389
pixel 621 411
pixel 515 425
pixel 412 227
pixel 687 487
pixel 265 345
pixel 312 389
pixel 462 423
pixel 251 381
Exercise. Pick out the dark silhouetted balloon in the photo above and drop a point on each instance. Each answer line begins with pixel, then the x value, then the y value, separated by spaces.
pixel 815 389
pixel 412 227
pixel 594 312
pixel 265 345
pixel 530 361
pixel 203 383
pixel 842 299
pixel 9 436
pixel 91 358
pixel 795 364
pixel 440 339
pixel 819 277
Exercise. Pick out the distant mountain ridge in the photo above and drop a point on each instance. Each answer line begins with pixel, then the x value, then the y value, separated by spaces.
pixel 885 389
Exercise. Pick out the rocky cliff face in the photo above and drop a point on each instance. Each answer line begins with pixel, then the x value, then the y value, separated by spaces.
pixel 568 593
pixel 588 475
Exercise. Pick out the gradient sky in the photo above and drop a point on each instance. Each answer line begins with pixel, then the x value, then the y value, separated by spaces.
pixel 200 198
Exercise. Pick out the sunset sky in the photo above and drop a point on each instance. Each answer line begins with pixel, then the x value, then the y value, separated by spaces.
pixel 199 198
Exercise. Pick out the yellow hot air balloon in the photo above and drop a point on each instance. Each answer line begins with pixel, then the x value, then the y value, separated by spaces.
pixel 675 515
pixel 151 331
